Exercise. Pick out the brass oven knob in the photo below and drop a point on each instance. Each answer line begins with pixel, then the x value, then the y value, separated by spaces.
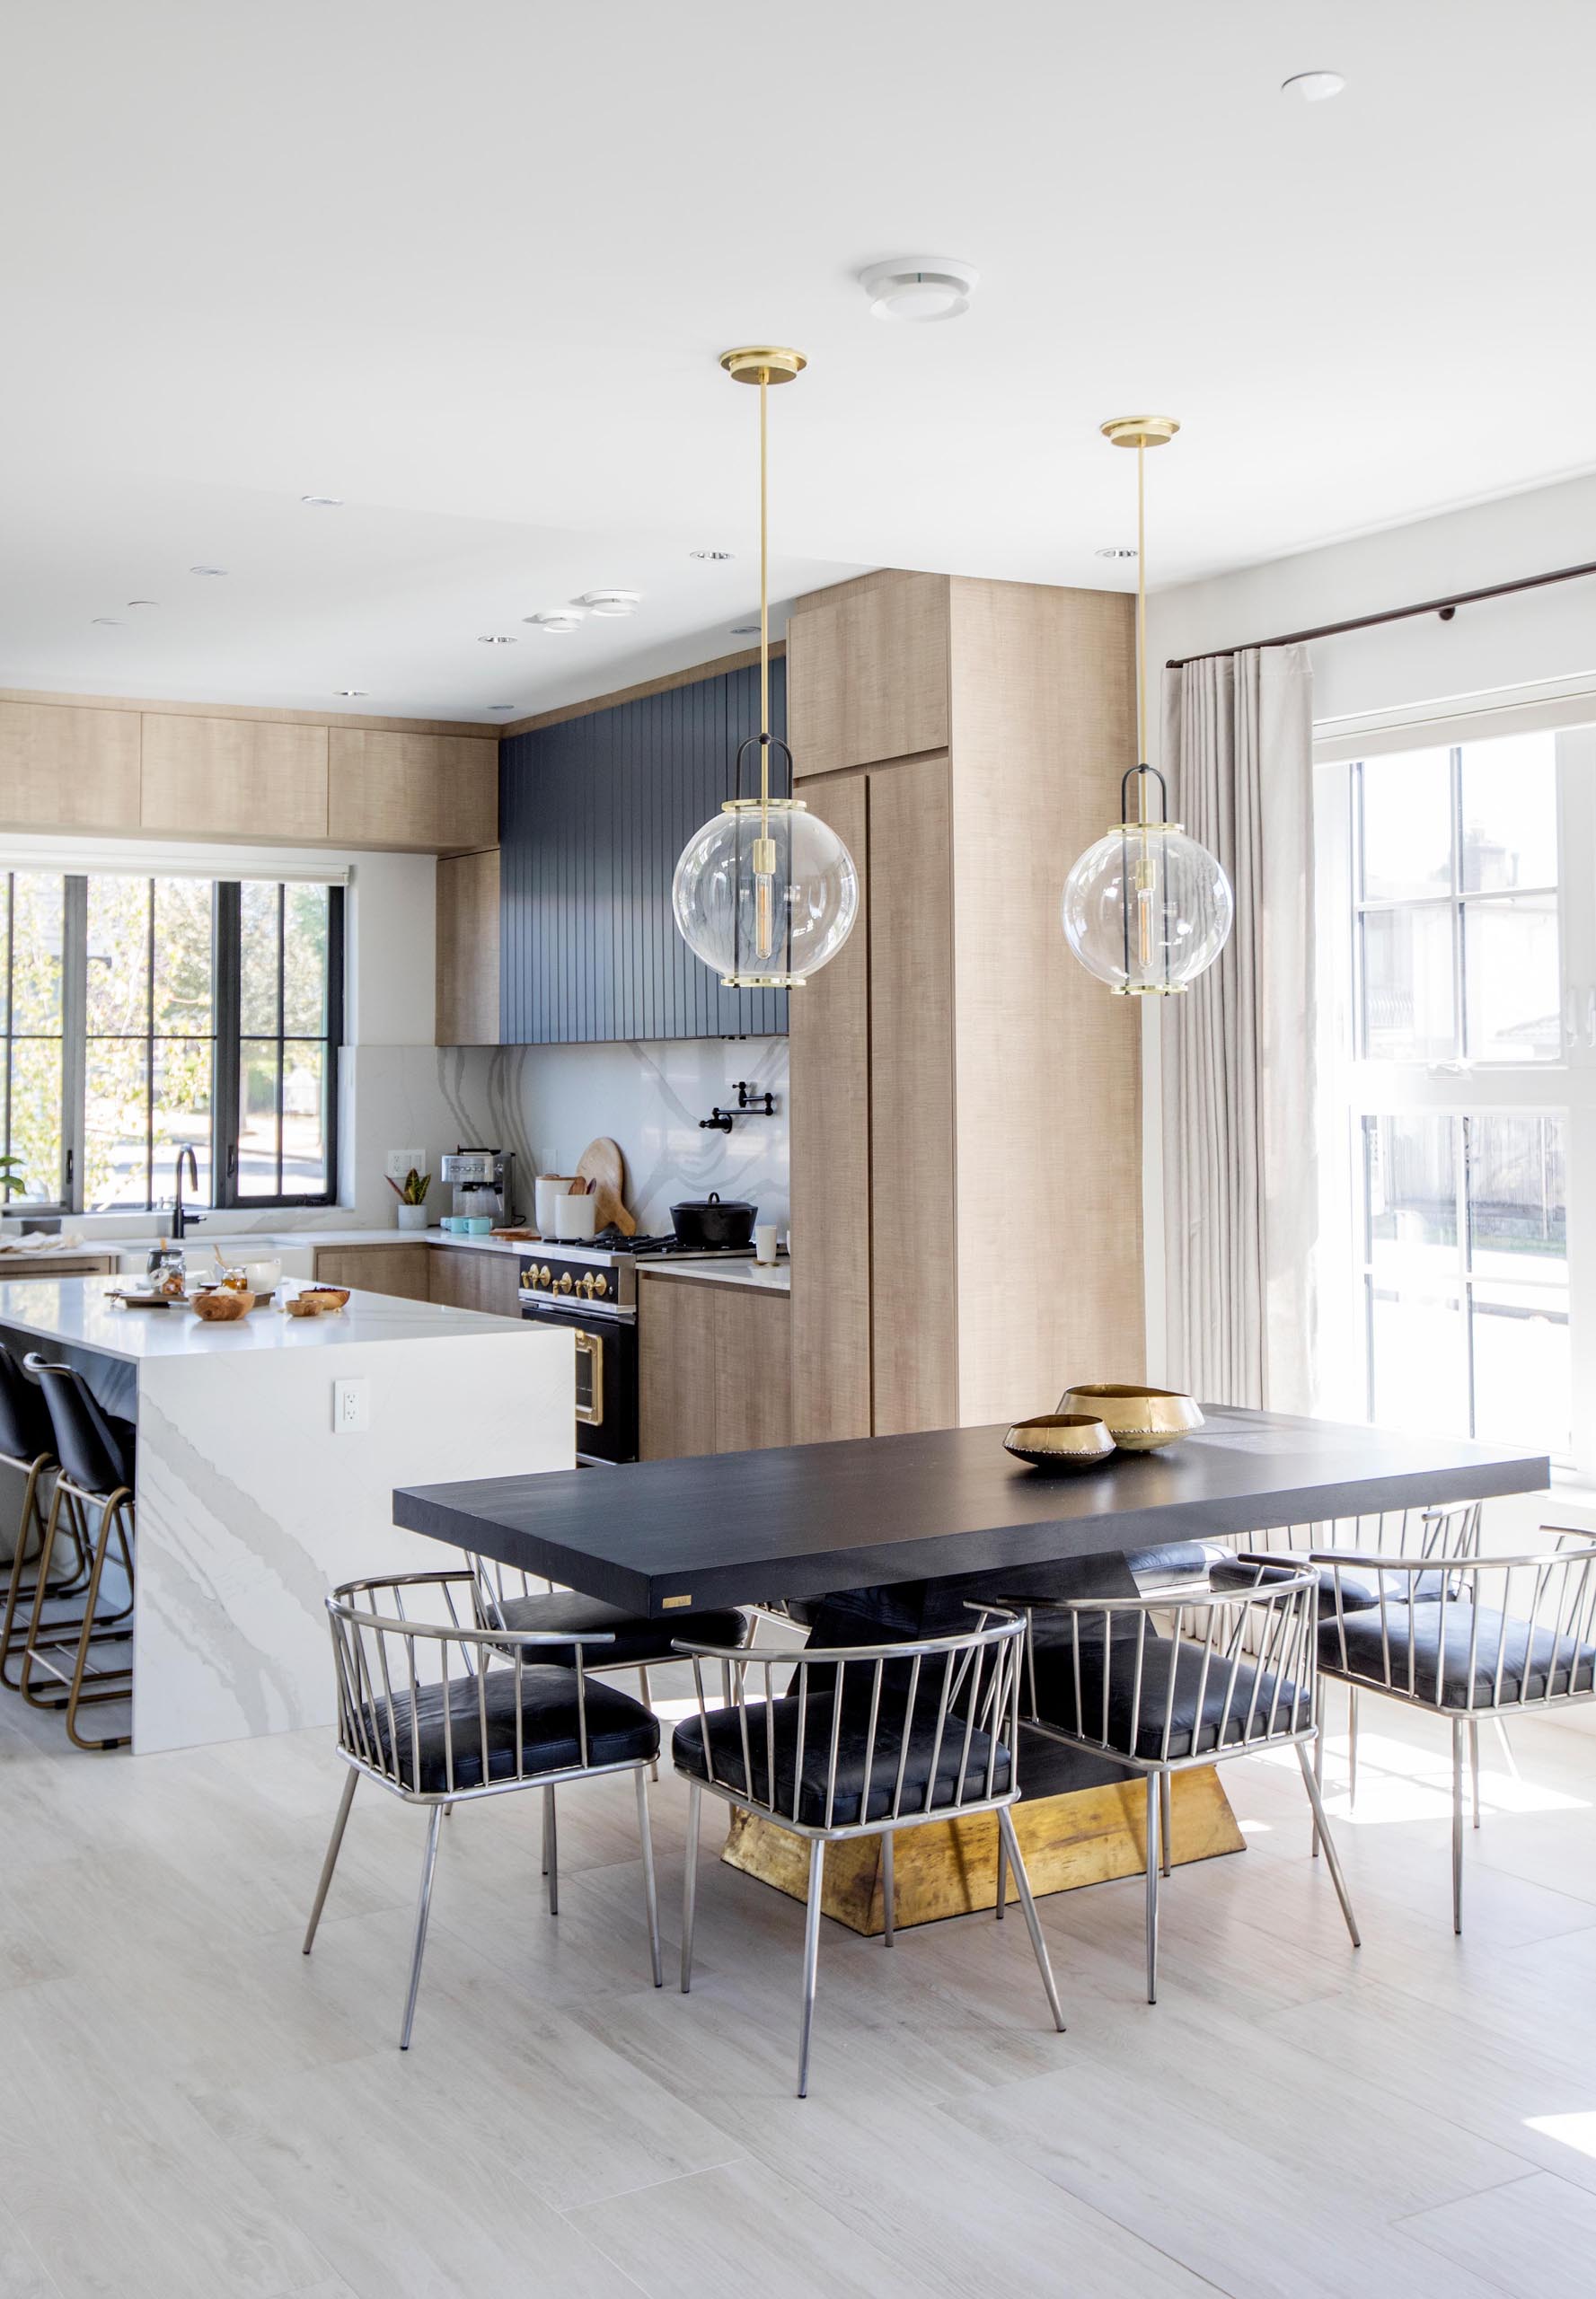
pixel 562 1284
pixel 541 1277
pixel 586 1287
pixel 601 1286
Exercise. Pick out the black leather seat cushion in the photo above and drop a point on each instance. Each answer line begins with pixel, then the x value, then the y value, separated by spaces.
pixel 1172 1563
pixel 1056 1698
pixel 1439 1639
pixel 636 1640
pixel 620 1730
pixel 959 1779
pixel 1359 1594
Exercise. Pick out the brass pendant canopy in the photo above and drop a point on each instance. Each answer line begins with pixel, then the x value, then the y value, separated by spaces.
pixel 764 893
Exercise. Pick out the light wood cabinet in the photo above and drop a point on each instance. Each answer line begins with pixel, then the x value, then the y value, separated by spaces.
pixel 233 778
pixel 19 1265
pixel 397 1269
pixel 468 937
pixel 465 1278
pixel 867 672
pixel 714 1368
pixel 427 792
pixel 967 1122
pixel 65 768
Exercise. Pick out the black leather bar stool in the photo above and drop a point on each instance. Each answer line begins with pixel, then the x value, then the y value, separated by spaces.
pixel 95 1452
pixel 27 1445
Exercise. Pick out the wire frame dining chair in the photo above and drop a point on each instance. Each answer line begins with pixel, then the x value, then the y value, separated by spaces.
pixel 1180 1678
pixel 1499 1636
pixel 866 1740
pixel 440 1713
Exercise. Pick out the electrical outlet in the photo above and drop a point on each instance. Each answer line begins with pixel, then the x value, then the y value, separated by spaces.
pixel 351 1407
pixel 400 1162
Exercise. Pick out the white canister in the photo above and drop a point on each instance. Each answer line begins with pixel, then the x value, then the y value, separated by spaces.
pixel 575 1218
pixel 764 1243
pixel 262 1276
pixel 547 1192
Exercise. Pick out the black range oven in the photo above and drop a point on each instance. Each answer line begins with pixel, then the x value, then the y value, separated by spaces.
pixel 593 1295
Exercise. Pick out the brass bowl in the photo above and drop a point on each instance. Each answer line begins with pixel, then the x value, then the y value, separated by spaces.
pixel 1060 1441
pixel 1139 1420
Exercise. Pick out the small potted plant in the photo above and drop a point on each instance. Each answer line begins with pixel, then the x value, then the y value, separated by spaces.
pixel 12 1184
pixel 411 1194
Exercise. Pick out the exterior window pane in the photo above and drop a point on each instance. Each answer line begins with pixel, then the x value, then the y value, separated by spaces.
pixel 1518 1199
pixel 1522 1390
pixel 118 988
pixel 259 908
pixel 304 960
pixel 1418 1361
pixel 184 1100
pixel 35 1130
pixel 1510 813
pixel 1511 968
pixel 182 1003
pixel 1411 1183
pixel 32 960
pixel 116 1123
pixel 1407 825
pixel 1408 1001
pixel 304 1117
pixel 38 929
pixel 258 1072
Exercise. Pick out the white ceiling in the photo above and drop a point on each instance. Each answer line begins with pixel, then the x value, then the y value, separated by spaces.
pixel 469 267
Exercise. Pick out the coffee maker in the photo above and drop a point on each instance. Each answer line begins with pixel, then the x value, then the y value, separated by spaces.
pixel 484 1184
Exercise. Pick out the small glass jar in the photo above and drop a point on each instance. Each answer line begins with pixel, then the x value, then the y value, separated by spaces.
pixel 166 1267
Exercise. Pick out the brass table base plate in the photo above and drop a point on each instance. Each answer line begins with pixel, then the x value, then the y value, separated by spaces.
pixel 950 1867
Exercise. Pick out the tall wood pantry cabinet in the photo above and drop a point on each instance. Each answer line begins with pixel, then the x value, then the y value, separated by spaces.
pixel 967 1154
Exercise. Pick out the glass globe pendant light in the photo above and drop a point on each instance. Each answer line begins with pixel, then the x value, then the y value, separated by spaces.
pixel 764 893
pixel 1146 909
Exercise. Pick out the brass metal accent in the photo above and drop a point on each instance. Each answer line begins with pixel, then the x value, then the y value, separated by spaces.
pixel 1139 1420
pixel 1060 1441
pixel 1086 1836
pixel 601 1285
pixel 771 806
pixel 763 981
pixel 591 1346
pixel 670 1604
pixel 764 362
pixel 563 1283
pixel 1131 430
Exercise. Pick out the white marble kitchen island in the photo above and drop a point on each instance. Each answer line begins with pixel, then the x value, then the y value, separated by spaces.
pixel 251 1505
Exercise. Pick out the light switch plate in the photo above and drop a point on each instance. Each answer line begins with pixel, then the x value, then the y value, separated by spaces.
pixel 400 1162
pixel 351 1407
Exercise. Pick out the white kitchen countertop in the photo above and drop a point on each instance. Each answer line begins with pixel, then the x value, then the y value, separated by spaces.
pixel 75 1310
pixel 751 1275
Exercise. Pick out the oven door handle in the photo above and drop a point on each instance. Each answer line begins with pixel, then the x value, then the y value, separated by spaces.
pixel 591 1345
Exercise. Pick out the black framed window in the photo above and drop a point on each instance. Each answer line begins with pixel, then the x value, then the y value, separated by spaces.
pixel 143 1015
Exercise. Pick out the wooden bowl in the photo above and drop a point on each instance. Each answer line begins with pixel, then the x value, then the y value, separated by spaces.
pixel 1060 1441
pixel 220 1307
pixel 1139 1420
pixel 326 1297
pixel 302 1305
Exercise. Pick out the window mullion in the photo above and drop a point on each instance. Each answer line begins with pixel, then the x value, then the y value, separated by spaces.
pixel 74 1049
pixel 227 927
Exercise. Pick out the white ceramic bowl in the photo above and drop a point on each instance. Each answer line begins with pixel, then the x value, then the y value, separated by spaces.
pixel 261 1276
pixel 575 1218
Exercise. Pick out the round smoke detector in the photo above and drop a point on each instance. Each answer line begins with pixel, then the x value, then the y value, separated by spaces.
pixel 611 603
pixel 558 625
pixel 920 287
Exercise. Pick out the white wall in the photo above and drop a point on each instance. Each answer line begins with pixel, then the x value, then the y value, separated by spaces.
pixel 1538 639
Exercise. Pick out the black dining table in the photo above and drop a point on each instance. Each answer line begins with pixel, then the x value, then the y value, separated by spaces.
pixel 899 1527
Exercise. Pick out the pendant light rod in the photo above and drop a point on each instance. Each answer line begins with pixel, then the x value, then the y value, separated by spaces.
pixel 1141 432
pixel 764 597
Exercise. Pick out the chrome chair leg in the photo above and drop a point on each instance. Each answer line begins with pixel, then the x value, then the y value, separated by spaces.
pixel 1153 1801
pixel 695 1797
pixel 811 1960
pixel 1164 1830
pixel 1032 1920
pixel 725 1691
pixel 1002 1874
pixel 886 1884
pixel 434 1822
pixel 1352 1747
pixel 651 1891
pixel 1473 1764
pixel 1318 1760
pixel 647 1703
pixel 1457 1824
pixel 351 1781
pixel 1321 1829
pixel 1508 1758
pixel 552 1851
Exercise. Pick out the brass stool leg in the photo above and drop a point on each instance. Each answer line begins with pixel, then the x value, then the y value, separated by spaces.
pixel 32 1515
pixel 110 1520
pixel 31 1642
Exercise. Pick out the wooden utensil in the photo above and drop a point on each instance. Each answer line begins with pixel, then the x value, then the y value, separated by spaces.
pixel 602 1165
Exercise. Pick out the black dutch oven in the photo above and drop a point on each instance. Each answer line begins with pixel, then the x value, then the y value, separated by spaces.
pixel 712 1220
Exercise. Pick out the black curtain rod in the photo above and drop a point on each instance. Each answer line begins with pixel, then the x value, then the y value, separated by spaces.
pixel 1444 608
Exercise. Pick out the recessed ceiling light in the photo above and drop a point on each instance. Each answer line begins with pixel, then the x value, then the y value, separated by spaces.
pixel 323 502
pixel 920 287
pixel 490 639
pixel 111 621
pixel 208 570
pixel 709 554
pixel 744 630
pixel 501 706
pixel 1313 87
pixel 1115 550
pixel 352 693
pixel 559 624
pixel 143 603
pixel 610 602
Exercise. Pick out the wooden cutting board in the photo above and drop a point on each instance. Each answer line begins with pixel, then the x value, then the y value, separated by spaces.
pixel 602 1164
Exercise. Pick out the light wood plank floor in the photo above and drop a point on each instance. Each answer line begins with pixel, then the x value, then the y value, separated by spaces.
pixel 189 2107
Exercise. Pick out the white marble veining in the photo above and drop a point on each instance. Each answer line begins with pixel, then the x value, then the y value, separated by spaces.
pixel 252 1505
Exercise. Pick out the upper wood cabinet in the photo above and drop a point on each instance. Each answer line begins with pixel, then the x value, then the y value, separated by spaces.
pixel 67 768
pixel 427 792
pixel 468 901
pixel 234 777
pixel 867 670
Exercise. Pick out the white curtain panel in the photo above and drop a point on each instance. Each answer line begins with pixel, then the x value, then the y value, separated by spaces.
pixel 1238 1050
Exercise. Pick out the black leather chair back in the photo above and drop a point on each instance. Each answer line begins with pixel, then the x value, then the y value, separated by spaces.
pixel 94 1450
pixel 24 1424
